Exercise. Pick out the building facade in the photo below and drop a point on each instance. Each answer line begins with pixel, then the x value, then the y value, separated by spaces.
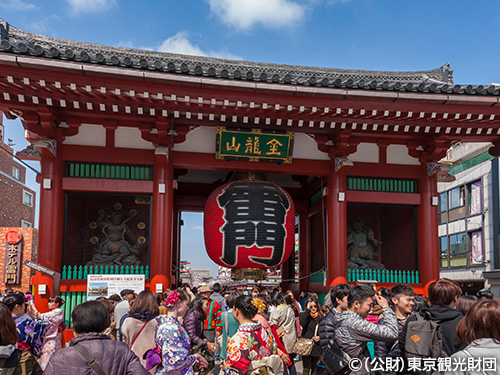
pixel 17 201
pixel 130 139
pixel 466 235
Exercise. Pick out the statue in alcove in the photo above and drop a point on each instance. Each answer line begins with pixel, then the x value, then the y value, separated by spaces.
pixel 120 246
pixel 361 253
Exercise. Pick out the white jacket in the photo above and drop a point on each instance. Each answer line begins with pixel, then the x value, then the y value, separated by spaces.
pixel 481 348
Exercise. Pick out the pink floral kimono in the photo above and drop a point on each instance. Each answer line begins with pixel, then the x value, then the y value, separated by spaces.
pixel 53 336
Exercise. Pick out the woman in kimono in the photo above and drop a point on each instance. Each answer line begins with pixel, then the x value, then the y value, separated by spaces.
pixel 30 332
pixel 53 337
pixel 172 340
pixel 252 346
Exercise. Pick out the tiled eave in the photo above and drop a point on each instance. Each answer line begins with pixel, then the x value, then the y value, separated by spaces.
pixel 437 81
pixel 73 89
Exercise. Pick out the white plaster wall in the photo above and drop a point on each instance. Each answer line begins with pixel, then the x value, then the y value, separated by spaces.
pixel 201 139
pixel 366 153
pixel 475 274
pixel 88 135
pixel 442 230
pixel 305 147
pixel 398 154
pixel 475 222
pixel 456 226
pixel 131 138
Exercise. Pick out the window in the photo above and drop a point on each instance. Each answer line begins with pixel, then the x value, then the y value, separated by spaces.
pixel 16 173
pixel 27 198
pixel 456 197
pixel 443 202
pixel 458 250
pixel 443 249
pixel 26 224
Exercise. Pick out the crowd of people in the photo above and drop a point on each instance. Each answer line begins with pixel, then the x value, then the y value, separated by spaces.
pixel 261 331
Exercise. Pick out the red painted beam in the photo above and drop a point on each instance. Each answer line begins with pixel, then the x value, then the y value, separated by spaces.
pixel 382 198
pixel 192 160
pixel 92 154
pixel 107 186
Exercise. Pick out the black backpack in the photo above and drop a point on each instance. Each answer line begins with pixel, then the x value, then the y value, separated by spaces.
pixel 334 359
pixel 11 363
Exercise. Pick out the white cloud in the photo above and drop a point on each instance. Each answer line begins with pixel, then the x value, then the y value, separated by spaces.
pixel 43 26
pixel 244 14
pixel 180 43
pixel 198 227
pixel 78 7
pixel 17 5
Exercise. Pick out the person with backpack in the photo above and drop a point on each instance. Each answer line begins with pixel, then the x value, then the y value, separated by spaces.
pixel 14 361
pixel 440 321
pixel 353 332
pixel 403 300
pixel 480 329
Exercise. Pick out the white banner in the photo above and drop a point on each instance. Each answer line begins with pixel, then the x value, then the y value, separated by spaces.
pixel 107 285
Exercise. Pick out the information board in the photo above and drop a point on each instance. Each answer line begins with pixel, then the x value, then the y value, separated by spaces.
pixel 107 285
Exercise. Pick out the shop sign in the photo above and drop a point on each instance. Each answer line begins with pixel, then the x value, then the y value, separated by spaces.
pixel 13 257
pixel 254 145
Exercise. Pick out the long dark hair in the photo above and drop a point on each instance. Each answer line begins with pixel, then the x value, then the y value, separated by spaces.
pixel 8 333
pixel 313 299
pixel 290 301
pixel 197 307
pixel 145 303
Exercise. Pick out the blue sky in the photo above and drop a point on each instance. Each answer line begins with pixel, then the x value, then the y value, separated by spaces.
pixel 351 34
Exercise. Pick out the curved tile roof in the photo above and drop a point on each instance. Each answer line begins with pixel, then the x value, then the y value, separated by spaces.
pixel 439 80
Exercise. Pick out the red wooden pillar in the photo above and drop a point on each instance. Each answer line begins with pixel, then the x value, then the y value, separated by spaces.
pixel 304 250
pixel 51 219
pixel 427 229
pixel 162 220
pixel 336 228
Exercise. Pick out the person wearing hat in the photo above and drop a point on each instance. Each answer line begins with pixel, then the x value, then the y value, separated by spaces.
pixel 122 308
pixel 212 325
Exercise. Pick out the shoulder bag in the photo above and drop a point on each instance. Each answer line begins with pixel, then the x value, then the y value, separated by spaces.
pixel 90 360
pixel 304 346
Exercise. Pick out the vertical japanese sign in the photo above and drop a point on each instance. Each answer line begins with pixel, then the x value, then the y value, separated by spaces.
pixel 475 198
pixel 13 257
pixel 477 247
pixel 254 145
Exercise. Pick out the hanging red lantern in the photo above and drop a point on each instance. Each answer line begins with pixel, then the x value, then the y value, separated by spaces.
pixel 249 224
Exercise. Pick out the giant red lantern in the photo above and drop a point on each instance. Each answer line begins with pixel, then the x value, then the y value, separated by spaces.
pixel 249 224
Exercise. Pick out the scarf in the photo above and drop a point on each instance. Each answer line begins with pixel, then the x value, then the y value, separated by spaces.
pixel 143 316
pixel 314 315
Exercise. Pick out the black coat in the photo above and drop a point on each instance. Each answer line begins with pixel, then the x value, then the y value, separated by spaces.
pixel 309 324
pixel 327 328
